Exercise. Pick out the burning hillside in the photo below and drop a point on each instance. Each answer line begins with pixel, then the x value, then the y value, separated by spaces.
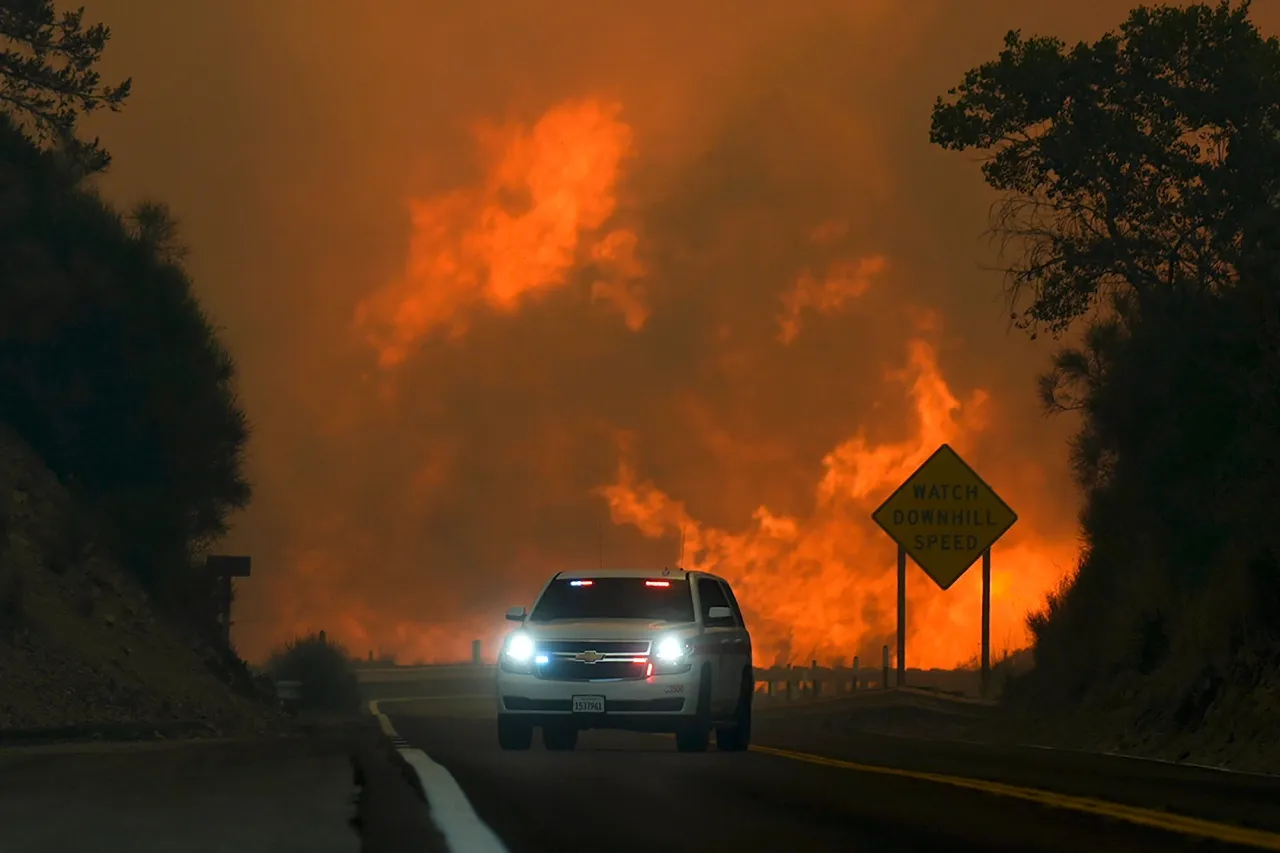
pixel 545 219
pixel 530 299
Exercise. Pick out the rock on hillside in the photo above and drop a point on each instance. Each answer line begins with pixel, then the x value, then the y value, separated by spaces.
pixel 80 644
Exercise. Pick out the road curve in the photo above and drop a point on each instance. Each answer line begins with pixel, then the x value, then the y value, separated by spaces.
pixel 808 788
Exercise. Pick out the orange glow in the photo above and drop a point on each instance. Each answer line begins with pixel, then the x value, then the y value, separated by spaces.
pixel 550 233
pixel 824 586
pixel 621 273
pixel 844 281
pixel 475 271
pixel 547 193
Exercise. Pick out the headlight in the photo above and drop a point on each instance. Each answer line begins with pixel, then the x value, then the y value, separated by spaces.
pixel 517 654
pixel 670 650
pixel 520 648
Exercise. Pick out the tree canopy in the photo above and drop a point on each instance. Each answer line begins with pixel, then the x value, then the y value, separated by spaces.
pixel 1139 176
pixel 1133 163
pixel 49 78
pixel 109 367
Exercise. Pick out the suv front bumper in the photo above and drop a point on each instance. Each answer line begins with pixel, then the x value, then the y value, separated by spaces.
pixel 656 703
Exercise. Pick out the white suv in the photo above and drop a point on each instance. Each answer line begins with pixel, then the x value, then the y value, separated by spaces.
pixel 663 651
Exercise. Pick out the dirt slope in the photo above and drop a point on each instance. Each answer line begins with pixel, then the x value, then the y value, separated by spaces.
pixel 80 645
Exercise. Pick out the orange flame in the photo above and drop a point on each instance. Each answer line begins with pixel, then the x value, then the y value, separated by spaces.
pixel 476 245
pixel 824 587
pixel 844 281
pixel 820 586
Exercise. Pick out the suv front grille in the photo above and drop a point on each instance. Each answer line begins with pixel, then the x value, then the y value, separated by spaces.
pixel 604 647
pixel 593 660
pixel 572 670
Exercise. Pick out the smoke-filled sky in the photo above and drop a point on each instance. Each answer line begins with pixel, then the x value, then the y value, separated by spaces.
pixel 513 284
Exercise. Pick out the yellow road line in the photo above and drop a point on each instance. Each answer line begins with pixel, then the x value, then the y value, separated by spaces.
pixel 1181 824
pixel 1144 817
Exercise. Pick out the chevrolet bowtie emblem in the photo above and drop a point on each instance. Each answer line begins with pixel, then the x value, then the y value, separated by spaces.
pixel 588 657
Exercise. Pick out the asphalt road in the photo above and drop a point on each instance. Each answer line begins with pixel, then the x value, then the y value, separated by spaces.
pixel 216 796
pixel 808 785
pixel 266 795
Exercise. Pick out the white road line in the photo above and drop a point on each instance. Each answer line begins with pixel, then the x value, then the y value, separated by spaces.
pixel 451 811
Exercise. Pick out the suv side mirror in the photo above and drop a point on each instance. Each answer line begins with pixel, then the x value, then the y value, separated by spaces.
pixel 719 612
pixel 517 614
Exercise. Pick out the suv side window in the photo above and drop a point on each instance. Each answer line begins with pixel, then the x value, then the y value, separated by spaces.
pixel 733 604
pixel 710 594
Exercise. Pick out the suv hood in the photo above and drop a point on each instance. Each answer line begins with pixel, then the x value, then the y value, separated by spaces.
pixel 601 629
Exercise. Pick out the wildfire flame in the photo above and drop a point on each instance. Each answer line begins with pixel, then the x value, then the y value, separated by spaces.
pixel 821 585
pixel 845 280
pixel 548 191
pixel 824 587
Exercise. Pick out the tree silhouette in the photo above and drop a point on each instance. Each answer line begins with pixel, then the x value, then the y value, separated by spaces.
pixel 1129 164
pixel 110 369
pixel 1139 177
pixel 48 76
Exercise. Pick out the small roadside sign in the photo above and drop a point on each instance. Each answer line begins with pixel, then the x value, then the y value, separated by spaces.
pixel 944 516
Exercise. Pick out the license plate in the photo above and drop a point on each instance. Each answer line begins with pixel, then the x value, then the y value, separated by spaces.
pixel 588 704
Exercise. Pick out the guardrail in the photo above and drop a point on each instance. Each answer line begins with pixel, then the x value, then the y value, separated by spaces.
pixel 380 663
pixel 814 681
pixel 786 682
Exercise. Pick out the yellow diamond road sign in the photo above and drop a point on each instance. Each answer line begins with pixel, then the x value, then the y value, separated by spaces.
pixel 945 516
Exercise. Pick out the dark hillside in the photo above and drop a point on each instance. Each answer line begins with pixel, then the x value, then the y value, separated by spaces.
pixel 121 439
pixel 110 370
pixel 81 643
pixel 1141 175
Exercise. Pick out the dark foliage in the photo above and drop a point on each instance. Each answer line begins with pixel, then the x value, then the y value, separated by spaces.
pixel 1131 164
pixel 324 669
pixel 110 370
pixel 1140 178
pixel 48 76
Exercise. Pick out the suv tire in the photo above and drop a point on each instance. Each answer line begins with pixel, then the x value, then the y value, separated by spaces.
pixel 736 736
pixel 695 735
pixel 514 734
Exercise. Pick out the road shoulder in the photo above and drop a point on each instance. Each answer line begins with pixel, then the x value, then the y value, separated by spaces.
pixel 324 788
pixel 1234 799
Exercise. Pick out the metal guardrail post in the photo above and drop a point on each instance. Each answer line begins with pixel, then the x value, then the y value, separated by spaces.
pixel 788 682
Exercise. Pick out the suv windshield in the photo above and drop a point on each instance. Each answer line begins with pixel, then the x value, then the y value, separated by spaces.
pixel 653 599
